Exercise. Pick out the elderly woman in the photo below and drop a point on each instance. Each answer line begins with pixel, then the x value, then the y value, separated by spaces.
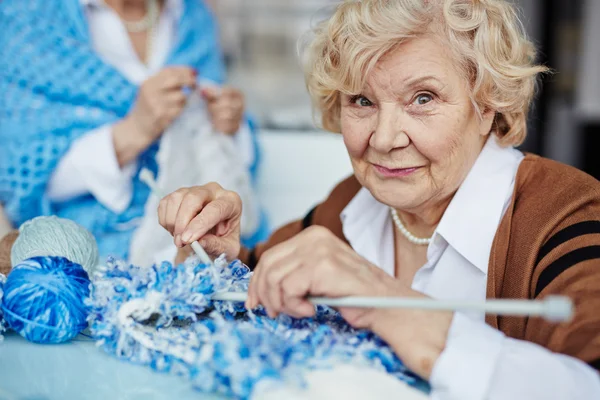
pixel 89 89
pixel 430 98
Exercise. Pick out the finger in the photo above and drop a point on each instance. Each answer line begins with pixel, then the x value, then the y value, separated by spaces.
pixel 296 287
pixel 273 259
pixel 273 291
pixel 192 203
pixel 232 93
pixel 175 98
pixel 253 298
pixel 298 307
pixel 161 210
pixel 251 301
pixel 295 293
pixel 211 93
pixel 213 245
pixel 213 213
pixel 226 128
pixel 177 77
pixel 171 210
pixel 229 100
pixel 226 114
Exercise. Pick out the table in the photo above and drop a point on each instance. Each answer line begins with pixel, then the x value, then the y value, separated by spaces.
pixel 80 371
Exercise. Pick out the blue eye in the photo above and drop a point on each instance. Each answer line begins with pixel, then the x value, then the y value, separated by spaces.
pixel 362 101
pixel 423 99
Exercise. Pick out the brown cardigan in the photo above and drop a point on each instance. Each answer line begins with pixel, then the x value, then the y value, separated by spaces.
pixel 548 242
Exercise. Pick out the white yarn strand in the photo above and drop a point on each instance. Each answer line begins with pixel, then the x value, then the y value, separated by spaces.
pixel 409 236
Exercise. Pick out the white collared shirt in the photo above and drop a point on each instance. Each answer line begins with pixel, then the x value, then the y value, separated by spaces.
pixel 91 165
pixel 479 362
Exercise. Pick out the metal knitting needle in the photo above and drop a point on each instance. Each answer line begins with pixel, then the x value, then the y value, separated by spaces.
pixel 552 308
pixel 147 177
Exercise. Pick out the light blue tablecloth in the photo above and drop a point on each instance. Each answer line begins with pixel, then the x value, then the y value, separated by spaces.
pixel 80 371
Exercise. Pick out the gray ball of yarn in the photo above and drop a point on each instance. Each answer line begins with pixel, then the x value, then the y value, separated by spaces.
pixel 59 237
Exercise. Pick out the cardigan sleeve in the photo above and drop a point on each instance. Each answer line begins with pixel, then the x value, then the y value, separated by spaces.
pixel 568 264
pixel 552 247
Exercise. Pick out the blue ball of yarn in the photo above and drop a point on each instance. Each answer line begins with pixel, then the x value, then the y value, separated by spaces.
pixel 44 299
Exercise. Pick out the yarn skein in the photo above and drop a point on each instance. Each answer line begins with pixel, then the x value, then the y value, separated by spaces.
pixel 59 237
pixel 6 244
pixel 44 299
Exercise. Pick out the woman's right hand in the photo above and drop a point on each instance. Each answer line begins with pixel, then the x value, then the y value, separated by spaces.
pixel 160 101
pixel 208 213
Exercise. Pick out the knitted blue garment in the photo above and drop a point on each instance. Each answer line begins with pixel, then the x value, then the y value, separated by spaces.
pixel 55 89
pixel 163 317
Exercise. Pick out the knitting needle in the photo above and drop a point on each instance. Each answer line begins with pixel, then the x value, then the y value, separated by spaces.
pixel 147 177
pixel 552 308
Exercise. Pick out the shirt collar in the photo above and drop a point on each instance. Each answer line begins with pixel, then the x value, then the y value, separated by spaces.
pixel 364 223
pixel 469 223
pixel 471 220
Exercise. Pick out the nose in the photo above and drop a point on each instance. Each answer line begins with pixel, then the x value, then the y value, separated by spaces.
pixel 389 133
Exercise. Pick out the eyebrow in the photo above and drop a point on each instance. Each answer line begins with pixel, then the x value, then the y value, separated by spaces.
pixel 412 82
pixel 422 79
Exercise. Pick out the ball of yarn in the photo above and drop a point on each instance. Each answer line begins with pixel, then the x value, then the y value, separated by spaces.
pixel 44 299
pixel 53 236
pixel 6 244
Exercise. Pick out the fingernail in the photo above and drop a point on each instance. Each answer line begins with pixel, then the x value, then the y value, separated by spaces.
pixel 178 240
pixel 186 236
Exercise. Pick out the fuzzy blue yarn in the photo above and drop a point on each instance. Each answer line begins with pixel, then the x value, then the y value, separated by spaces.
pixel 151 316
pixel 44 299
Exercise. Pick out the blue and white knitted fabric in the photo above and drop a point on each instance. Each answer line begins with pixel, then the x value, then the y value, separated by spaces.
pixel 163 317
pixel 55 89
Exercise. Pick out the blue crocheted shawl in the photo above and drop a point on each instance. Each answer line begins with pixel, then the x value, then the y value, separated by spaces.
pixel 54 88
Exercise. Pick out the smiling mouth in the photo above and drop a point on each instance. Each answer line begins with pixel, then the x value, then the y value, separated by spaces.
pixel 394 172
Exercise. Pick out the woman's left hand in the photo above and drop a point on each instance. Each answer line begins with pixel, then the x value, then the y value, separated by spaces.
pixel 225 107
pixel 317 263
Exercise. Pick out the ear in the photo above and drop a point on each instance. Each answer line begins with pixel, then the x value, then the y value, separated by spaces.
pixel 488 117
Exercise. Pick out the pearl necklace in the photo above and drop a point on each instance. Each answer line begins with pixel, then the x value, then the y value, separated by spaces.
pixel 409 236
pixel 145 23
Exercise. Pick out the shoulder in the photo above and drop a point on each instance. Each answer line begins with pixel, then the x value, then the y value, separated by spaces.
pixel 345 191
pixel 547 187
pixel 549 177
pixel 337 200
pixel 555 219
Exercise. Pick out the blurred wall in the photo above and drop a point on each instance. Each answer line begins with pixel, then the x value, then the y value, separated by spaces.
pixel 260 39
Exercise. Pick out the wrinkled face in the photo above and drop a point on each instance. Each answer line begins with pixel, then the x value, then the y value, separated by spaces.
pixel 413 133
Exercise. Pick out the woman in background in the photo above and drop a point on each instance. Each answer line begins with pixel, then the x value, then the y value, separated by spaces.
pixel 88 89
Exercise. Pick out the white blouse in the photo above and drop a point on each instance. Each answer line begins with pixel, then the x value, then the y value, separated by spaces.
pixel 479 362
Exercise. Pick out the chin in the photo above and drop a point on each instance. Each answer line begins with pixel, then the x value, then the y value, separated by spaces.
pixel 397 194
